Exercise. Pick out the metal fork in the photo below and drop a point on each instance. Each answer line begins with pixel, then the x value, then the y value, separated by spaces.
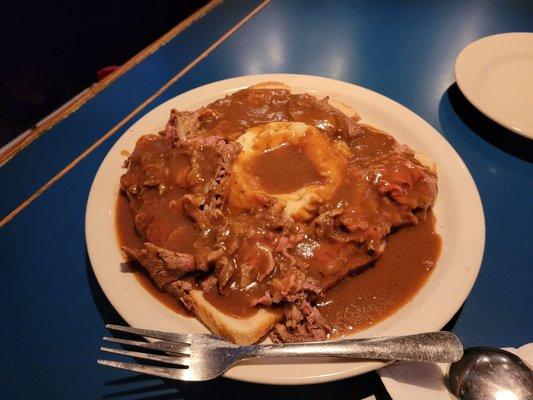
pixel 207 356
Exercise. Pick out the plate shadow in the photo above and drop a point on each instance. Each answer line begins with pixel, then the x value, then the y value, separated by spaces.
pixel 359 387
pixel 486 128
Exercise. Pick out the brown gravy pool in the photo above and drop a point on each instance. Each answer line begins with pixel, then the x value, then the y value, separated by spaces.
pixel 366 298
pixel 359 301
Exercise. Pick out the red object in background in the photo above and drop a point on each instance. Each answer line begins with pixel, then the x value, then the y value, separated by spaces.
pixel 103 72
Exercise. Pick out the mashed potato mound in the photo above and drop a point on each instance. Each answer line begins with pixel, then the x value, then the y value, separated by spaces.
pixel 320 162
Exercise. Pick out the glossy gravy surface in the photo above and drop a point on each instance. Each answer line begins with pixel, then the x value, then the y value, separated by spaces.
pixel 368 297
pixel 284 169
pixel 358 302
pixel 199 218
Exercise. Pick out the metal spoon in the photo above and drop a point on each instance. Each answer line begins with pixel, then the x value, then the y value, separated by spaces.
pixel 489 373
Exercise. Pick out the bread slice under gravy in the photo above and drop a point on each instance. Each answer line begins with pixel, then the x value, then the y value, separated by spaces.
pixel 238 330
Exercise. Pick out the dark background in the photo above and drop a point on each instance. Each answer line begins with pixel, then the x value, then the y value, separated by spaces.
pixel 52 50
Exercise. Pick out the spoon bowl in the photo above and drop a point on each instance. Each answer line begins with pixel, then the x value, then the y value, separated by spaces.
pixel 489 373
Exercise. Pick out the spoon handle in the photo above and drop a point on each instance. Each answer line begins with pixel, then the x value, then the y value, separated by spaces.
pixel 425 347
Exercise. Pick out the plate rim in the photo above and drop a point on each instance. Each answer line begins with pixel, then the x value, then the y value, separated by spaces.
pixel 465 88
pixel 239 82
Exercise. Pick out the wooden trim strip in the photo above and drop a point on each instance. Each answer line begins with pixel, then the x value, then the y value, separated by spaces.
pixel 141 106
pixel 99 86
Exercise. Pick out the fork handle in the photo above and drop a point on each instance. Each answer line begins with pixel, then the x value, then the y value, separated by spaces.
pixel 425 347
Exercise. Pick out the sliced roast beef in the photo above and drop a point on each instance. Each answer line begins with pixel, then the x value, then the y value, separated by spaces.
pixel 172 259
pixel 166 279
pixel 162 263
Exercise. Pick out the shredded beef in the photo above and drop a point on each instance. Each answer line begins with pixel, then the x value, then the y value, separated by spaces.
pixel 265 300
pixel 172 259
pixel 303 323
pixel 180 289
pixel 295 284
pixel 165 278
pixel 185 123
pixel 224 271
pixel 209 283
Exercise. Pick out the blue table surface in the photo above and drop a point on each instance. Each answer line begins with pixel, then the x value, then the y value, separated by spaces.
pixel 53 309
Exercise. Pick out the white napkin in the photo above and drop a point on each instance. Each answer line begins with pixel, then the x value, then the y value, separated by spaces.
pixel 406 381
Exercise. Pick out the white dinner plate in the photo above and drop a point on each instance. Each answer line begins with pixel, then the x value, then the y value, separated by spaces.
pixel 458 210
pixel 495 74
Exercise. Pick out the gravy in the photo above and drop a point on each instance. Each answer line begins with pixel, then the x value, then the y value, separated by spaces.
pixel 358 302
pixel 127 236
pixel 284 169
pixel 366 298
pixel 190 221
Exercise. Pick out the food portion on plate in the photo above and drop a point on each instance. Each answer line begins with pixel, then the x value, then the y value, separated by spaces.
pixel 268 212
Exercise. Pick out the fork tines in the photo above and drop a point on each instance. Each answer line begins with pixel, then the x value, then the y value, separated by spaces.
pixel 175 346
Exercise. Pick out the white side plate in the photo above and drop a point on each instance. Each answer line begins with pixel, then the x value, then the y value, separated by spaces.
pixel 495 74
pixel 458 210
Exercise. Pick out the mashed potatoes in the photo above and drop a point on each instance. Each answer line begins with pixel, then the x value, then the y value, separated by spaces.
pixel 288 164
